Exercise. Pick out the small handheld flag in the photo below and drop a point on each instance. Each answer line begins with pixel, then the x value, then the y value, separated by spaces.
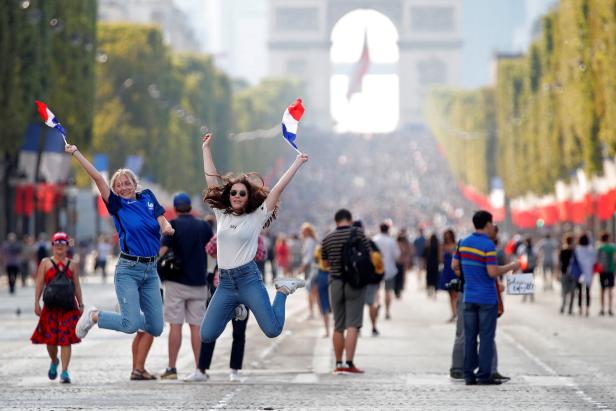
pixel 290 122
pixel 49 118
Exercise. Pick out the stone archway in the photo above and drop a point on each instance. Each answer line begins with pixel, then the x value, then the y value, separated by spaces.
pixel 430 39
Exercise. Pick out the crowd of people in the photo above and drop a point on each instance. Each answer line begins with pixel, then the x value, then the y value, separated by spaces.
pixel 212 271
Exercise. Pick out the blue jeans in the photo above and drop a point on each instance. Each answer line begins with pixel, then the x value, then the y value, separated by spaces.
pixel 141 306
pixel 479 320
pixel 242 285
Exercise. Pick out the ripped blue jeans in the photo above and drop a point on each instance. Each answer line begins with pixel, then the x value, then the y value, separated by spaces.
pixel 141 307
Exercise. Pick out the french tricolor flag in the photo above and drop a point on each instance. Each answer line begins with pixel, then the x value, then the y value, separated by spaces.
pixel 290 122
pixel 48 117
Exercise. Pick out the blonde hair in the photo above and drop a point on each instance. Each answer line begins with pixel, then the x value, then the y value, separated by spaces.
pixel 308 227
pixel 123 172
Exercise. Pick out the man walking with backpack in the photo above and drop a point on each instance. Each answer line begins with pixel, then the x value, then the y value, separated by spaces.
pixel 347 286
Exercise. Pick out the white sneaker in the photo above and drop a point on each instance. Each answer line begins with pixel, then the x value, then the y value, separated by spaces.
pixel 85 323
pixel 197 376
pixel 234 376
pixel 288 285
pixel 241 313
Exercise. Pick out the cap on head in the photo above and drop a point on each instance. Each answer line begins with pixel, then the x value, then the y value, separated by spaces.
pixel 181 202
pixel 60 236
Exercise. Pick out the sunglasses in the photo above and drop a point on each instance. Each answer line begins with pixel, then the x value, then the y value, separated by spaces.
pixel 242 193
pixel 60 242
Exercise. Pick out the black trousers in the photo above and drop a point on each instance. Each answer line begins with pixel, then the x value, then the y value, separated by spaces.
pixel 12 271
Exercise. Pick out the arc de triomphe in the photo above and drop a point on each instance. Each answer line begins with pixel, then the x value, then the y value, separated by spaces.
pixel 429 33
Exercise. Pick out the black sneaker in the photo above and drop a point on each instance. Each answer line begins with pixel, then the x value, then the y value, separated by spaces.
pixel 470 382
pixel 456 375
pixel 169 374
pixel 500 377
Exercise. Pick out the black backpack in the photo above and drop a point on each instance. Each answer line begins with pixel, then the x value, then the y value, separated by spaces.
pixel 169 266
pixel 60 290
pixel 357 267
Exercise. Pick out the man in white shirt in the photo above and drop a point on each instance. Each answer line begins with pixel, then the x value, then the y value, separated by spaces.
pixel 390 253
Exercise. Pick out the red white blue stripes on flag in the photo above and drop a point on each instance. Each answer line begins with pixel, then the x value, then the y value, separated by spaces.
pixel 290 122
pixel 49 118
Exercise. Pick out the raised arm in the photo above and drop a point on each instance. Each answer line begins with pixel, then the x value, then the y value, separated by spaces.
pixel 274 195
pixel 98 179
pixel 211 175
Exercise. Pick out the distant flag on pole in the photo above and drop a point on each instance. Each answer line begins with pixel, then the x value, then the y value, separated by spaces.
pixel 290 122
pixel 361 69
pixel 49 118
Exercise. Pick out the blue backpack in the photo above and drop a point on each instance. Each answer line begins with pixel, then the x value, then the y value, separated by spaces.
pixel 574 270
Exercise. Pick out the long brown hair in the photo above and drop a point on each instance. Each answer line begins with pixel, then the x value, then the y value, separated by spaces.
pixel 219 196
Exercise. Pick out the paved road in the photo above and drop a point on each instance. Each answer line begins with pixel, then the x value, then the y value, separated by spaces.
pixel 556 362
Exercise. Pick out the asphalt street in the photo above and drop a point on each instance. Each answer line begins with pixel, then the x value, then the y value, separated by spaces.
pixel 555 362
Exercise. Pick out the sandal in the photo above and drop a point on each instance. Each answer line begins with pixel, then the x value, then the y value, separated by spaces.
pixel 141 375
pixel 147 375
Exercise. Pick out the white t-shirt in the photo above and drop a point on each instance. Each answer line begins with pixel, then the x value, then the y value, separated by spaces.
pixel 390 253
pixel 238 236
pixel 308 247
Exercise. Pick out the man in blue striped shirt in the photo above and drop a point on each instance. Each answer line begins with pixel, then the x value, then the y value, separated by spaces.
pixel 477 256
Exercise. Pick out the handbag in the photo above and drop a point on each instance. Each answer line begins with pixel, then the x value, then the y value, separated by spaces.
pixel 499 297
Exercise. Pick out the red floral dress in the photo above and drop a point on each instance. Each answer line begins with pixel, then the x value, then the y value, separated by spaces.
pixel 56 326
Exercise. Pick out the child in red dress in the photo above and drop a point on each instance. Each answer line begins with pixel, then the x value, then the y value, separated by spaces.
pixel 56 326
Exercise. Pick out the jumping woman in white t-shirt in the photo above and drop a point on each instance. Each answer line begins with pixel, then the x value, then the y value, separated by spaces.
pixel 242 209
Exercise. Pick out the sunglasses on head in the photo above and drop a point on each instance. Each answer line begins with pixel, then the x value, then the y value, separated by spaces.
pixel 242 193
pixel 60 242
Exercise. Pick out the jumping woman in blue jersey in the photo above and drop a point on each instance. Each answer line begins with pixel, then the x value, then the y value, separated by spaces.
pixel 242 209
pixel 139 220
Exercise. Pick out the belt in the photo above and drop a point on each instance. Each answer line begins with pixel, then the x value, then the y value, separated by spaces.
pixel 138 258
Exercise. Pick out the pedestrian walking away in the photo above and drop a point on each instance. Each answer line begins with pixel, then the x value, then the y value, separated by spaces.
pixel 57 281
pixel 347 301
pixel 11 251
pixel 139 220
pixel 605 259
pixel 243 208
pixel 390 252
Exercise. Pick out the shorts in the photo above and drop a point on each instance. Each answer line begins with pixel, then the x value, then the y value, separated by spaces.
pixel 347 304
pixel 371 291
pixel 390 284
pixel 184 303
pixel 607 280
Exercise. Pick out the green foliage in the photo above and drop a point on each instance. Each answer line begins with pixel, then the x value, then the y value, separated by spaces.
pixel 463 123
pixel 261 108
pixel 152 103
pixel 555 106
pixel 46 53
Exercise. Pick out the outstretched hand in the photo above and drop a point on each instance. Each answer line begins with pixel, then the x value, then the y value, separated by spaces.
pixel 70 148
pixel 206 139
